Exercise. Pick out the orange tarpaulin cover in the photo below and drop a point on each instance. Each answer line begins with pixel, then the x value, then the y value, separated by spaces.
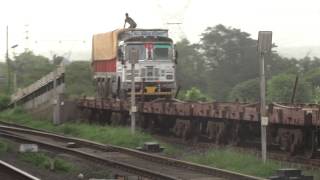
pixel 104 45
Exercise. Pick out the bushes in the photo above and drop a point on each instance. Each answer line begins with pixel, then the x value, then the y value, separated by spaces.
pixel 4 101
pixel 280 89
pixel 194 94
pixel 246 91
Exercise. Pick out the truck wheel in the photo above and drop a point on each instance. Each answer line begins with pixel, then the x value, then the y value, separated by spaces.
pixel 107 88
pixel 122 95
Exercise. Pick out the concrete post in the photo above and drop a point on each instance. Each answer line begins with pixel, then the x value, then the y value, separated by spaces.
pixel 56 100
pixel 264 47
pixel 133 100
pixel 263 115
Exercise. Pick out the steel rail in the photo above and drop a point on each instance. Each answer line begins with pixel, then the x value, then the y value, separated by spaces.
pixel 15 172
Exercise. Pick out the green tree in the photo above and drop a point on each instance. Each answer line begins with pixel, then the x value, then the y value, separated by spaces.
pixel 280 89
pixel 194 94
pixel 57 60
pixel 191 69
pixel 231 58
pixel 316 95
pixel 307 64
pixel 246 91
pixel 3 77
pixel 4 101
pixel 79 79
pixel 277 64
pixel 31 67
pixel 313 76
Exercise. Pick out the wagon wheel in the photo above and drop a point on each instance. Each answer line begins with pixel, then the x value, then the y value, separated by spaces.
pixel 309 152
pixel 234 140
pixel 293 149
pixel 107 88
pixel 122 95
pixel 293 146
pixel 185 133
pixel 99 89
pixel 144 122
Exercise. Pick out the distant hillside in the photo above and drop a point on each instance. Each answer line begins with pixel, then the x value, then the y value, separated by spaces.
pixel 299 52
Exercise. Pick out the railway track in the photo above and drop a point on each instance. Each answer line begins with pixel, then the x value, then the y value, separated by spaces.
pixel 10 172
pixel 132 161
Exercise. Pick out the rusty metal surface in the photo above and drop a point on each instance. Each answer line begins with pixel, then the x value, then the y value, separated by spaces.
pixel 284 114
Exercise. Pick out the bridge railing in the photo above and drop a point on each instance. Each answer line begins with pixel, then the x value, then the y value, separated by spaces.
pixel 39 87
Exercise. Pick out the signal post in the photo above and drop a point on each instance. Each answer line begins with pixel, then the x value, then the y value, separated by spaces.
pixel 133 59
pixel 264 48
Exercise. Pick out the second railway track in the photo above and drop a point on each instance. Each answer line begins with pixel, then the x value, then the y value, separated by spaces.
pixel 135 162
pixel 10 172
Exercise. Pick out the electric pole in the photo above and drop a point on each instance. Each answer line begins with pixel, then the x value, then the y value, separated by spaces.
pixel 8 62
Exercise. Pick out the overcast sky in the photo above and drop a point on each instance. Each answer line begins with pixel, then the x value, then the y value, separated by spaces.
pixel 62 27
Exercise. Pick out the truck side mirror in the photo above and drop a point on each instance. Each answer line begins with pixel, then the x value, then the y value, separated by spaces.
pixel 120 56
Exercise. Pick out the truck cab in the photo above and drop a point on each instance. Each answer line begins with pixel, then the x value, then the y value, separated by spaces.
pixel 155 68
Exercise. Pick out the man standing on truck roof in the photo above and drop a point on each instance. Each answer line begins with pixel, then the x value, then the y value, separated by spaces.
pixel 130 21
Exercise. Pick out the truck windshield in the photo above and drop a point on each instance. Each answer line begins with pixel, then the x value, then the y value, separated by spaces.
pixel 162 52
pixel 139 47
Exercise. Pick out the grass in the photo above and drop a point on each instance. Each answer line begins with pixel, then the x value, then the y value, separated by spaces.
pixel 100 173
pixel 44 161
pixel 227 158
pixel 38 159
pixel 231 160
pixel 120 136
pixel 4 146
pixel 61 165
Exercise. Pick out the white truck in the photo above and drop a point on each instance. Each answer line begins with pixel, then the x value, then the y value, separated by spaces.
pixel 155 70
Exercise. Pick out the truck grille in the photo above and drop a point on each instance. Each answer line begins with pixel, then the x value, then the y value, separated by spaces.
pixel 128 74
pixel 150 73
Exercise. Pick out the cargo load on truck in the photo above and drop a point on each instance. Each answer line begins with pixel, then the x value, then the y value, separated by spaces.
pixel 104 45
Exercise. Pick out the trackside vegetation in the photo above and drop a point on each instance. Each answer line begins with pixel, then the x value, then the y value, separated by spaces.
pixel 246 163
pixel 119 136
pixel 4 146
pixel 240 162
pixel 44 161
pixel 38 159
